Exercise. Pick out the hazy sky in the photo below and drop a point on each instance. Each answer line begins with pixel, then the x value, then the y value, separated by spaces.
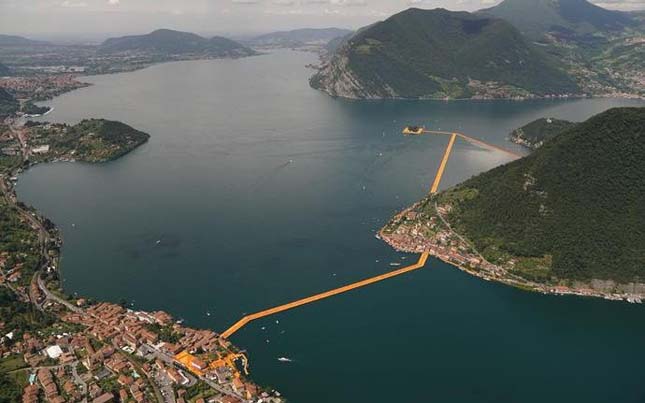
pixel 39 17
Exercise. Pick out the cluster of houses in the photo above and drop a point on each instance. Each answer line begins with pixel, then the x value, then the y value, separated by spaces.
pixel 40 86
pixel 190 356
pixel 411 234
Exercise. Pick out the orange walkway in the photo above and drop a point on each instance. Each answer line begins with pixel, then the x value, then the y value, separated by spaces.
pixel 442 166
pixel 419 264
pixel 242 322
pixel 477 142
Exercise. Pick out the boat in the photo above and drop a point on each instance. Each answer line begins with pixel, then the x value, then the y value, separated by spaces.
pixel 285 359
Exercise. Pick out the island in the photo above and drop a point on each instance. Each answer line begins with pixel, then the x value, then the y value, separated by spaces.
pixel 567 219
pixel 63 347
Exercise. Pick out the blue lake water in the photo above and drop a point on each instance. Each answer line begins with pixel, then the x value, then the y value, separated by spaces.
pixel 262 190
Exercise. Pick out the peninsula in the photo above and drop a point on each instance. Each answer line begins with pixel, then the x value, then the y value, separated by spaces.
pixel 566 219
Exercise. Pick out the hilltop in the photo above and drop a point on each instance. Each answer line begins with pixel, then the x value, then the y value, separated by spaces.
pixel 537 18
pixel 169 42
pixel 571 214
pixel 534 134
pixel 441 54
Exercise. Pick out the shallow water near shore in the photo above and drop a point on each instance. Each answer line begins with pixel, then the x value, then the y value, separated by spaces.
pixel 255 190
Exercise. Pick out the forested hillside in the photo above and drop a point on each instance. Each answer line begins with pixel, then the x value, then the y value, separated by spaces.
pixel 438 54
pixel 577 203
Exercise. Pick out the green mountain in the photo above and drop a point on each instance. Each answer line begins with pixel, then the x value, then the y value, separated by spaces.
pixel 299 37
pixel 574 209
pixel 8 104
pixel 534 134
pixel 562 17
pixel 169 42
pixel 437 54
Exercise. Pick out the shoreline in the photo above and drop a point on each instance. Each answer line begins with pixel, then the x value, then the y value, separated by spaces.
pixel 488 99
pixel 490 272
pixel 94 316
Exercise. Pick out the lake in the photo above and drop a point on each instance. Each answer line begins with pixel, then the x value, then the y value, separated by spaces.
pixel 255 190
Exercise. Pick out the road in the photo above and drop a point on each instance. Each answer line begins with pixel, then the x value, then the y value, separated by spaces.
pixel 79 381
pixel 53 297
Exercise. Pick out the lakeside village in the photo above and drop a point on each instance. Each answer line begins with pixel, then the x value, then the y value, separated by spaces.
pixel 118 348
pixel 57 348
pixel 40 87
pixel 423 227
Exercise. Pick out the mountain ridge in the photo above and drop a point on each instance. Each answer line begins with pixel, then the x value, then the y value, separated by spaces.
pixel 536 18
pixel 299 37
pixel 441 54
pixel 15 40
pixel 167 41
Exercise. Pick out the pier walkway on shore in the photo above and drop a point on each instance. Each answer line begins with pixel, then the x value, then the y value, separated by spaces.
pixel 363 283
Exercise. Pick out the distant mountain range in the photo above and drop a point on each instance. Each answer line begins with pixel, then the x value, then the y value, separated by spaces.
pixel 536 18
pixel 13 40
pixel 169 42
pixel 299 37
pixel 438 54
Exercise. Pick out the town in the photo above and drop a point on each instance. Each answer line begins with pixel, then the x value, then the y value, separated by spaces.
pixel 59 348
pixel 423 227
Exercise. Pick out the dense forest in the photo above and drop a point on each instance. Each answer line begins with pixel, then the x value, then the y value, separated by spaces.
pixel 578 202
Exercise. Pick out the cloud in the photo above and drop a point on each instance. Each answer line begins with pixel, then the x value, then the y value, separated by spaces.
pixel 114 2
pixel 73 4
